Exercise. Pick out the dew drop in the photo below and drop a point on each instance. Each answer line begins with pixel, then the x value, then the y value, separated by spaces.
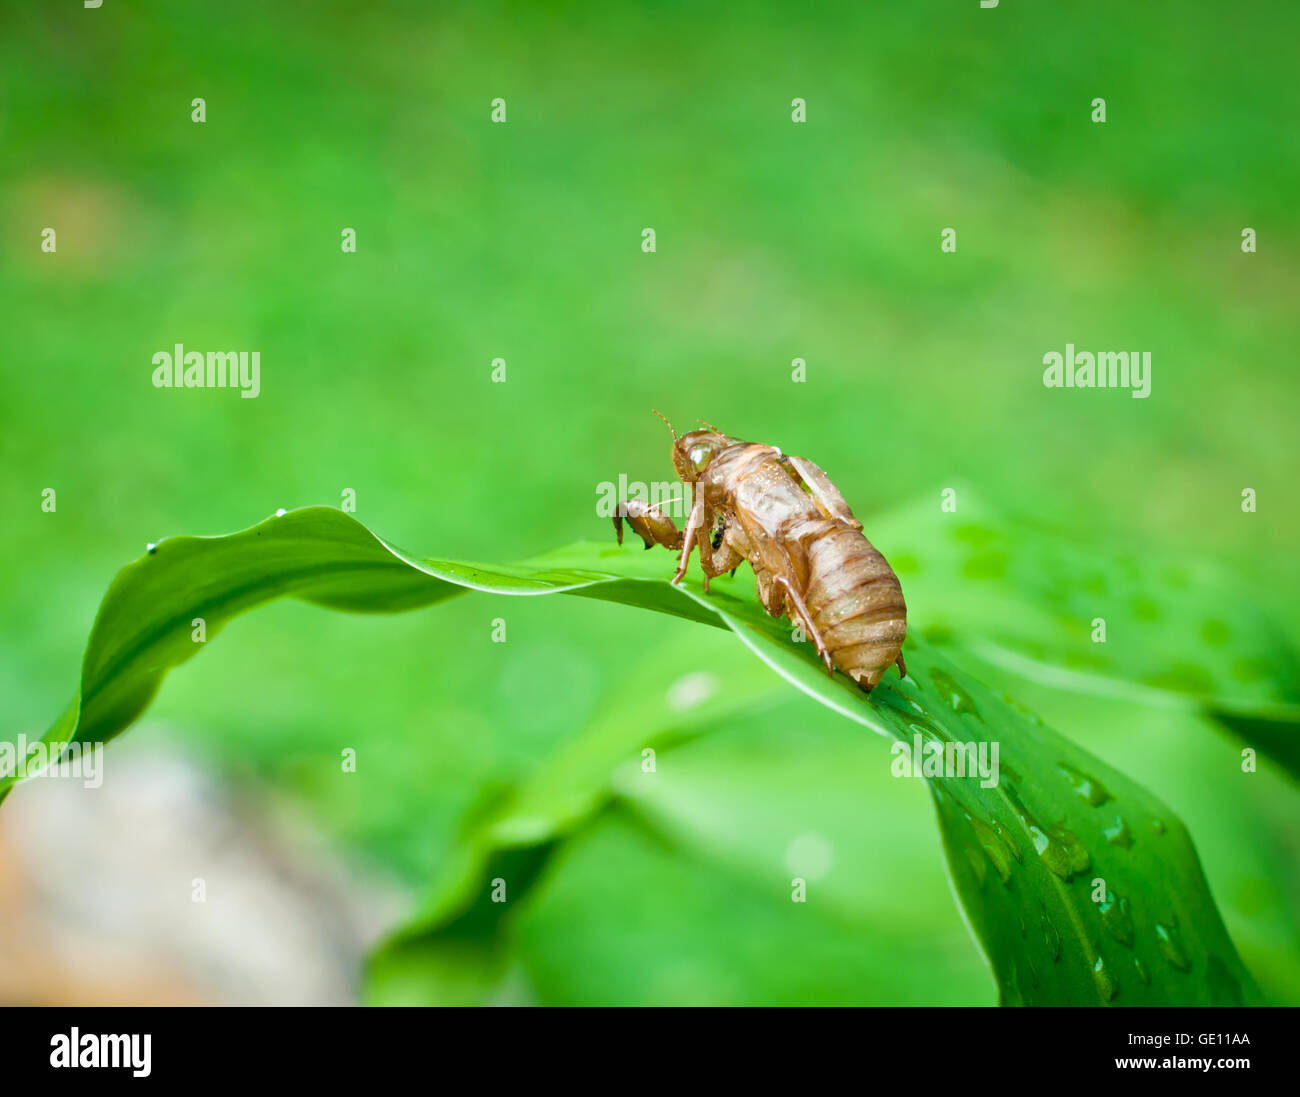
pixel 993 849
pixel 1107 984
pixel 1040 840
pixel 1118 921
pixel 926 732
pixel 1092 790
pixel 1079 859
pixel 1008 839
pixel 151 548
pixel 1158 826
pixel 1171 945
pixel 1118 834
pixel 1140 968
pixel 281 513
pixel 1061 851
pixel 953 693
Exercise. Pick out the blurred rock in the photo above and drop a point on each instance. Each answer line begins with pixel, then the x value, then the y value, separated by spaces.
pixel 99 893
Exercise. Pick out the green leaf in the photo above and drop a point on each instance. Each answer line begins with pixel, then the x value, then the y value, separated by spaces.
pixel 674 886
pixel 1177 632
pixel 454 950
pixel 1026 853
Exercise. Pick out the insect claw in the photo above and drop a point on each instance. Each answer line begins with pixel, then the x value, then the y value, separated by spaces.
pixel 653 527
pixel 902 666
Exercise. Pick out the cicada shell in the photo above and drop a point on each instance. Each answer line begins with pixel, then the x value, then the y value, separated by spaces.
pixel 785 518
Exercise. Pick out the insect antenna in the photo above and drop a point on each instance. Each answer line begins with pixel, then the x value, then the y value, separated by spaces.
pixel 664 502
pixel 709 425
pixel 667 424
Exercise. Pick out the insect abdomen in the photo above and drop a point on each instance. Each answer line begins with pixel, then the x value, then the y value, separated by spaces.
pixel 856 603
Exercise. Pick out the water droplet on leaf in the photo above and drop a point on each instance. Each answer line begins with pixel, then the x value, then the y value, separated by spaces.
pixel 951 692
pixel 1089 788
pixel 1118 921
pixel 1107 984
pixel 1171 945
pixel 1118 833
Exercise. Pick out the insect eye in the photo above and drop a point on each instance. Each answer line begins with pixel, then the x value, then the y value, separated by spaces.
pixel 699 456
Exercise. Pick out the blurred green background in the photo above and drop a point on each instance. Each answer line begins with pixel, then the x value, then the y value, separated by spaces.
pixel 523 241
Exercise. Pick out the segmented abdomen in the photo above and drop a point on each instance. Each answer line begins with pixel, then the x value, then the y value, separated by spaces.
pixel 856 603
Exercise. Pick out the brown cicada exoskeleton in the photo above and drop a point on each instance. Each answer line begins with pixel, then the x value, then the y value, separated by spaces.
pixel 810 559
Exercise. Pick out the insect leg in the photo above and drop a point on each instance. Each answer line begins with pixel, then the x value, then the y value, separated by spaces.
pixel 735 548
pixel 652 527
pixel 771 596
pixel 717 554
pixel 902 667
pixel 725 559
pixel 690 538
pixel 806 621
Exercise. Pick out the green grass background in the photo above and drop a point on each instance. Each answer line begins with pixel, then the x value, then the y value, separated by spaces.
pixel 522 241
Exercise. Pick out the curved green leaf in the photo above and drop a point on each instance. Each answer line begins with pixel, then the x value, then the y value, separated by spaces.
pixel 1176 631
pixel 1080 886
